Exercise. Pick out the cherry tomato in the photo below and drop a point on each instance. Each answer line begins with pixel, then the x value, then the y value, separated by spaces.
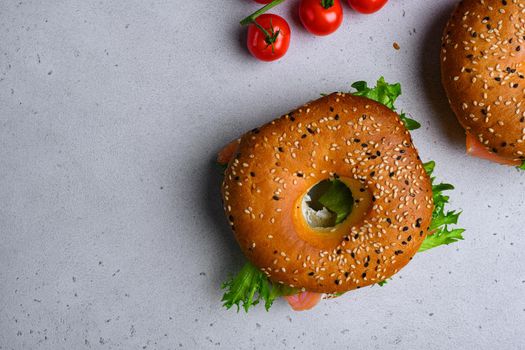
pixel 367 6
pixel 321 17
pixel 273 44
pixel 263 1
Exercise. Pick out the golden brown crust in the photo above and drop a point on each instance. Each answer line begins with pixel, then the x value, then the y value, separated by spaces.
pixel 482 70
pixel 338 135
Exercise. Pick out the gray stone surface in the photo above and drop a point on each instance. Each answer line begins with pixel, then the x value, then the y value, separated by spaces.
pixel 111 232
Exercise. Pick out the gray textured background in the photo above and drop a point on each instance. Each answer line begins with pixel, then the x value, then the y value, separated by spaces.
pixel 111 232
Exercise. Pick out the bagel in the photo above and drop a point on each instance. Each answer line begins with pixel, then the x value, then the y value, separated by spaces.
pixel 482 57
pixel 356 140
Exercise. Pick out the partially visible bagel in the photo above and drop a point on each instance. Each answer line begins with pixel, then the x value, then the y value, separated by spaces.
pixel 483 73
pixel 354 139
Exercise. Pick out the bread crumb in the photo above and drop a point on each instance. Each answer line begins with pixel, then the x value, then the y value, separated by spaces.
pixel 396 45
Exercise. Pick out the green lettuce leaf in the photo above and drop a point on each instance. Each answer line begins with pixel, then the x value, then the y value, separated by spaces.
pixel 386 94
pixel 338 199
pixel 383 92
pixel 441 235
pixel 249 287
pixel 522 166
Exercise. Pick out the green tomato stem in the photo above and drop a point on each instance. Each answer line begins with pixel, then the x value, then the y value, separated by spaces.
pixel 261 28
pixel 251 18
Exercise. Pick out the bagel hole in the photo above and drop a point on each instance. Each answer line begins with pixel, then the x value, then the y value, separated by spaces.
pixel 327 204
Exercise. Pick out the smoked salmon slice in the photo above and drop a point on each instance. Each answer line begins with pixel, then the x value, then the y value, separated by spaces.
pixel 227 152
pixel 477 149
pixel 304 300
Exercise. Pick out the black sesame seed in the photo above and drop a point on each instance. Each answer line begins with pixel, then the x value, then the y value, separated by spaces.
pixel 363 275
pixel 300 174
pixel 252 174
pixel 336 117
pixel 389 220
pixel 339 251
pixel 275 198
pixel 280 149
pixel 337 282
pixel 364 145
pixel 352 254
pixel 409 238
pixel 310 130
pixel 310 274
pixel 236 178
pixel 404 243
pixel 397 252
pixel 356 236
pixel 347 274
pixel 303 136
pixel 361 190
pixel 518 48
pixel 405 228
pixel 331 109
pixel 231 218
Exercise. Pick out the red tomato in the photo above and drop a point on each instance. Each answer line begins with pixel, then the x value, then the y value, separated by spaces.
pixel 273 44
pixel 321 17
pixel 367 6
pixel 263 1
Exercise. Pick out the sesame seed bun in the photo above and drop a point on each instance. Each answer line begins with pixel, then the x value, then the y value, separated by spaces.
pixel 482 69
pixel 360 142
